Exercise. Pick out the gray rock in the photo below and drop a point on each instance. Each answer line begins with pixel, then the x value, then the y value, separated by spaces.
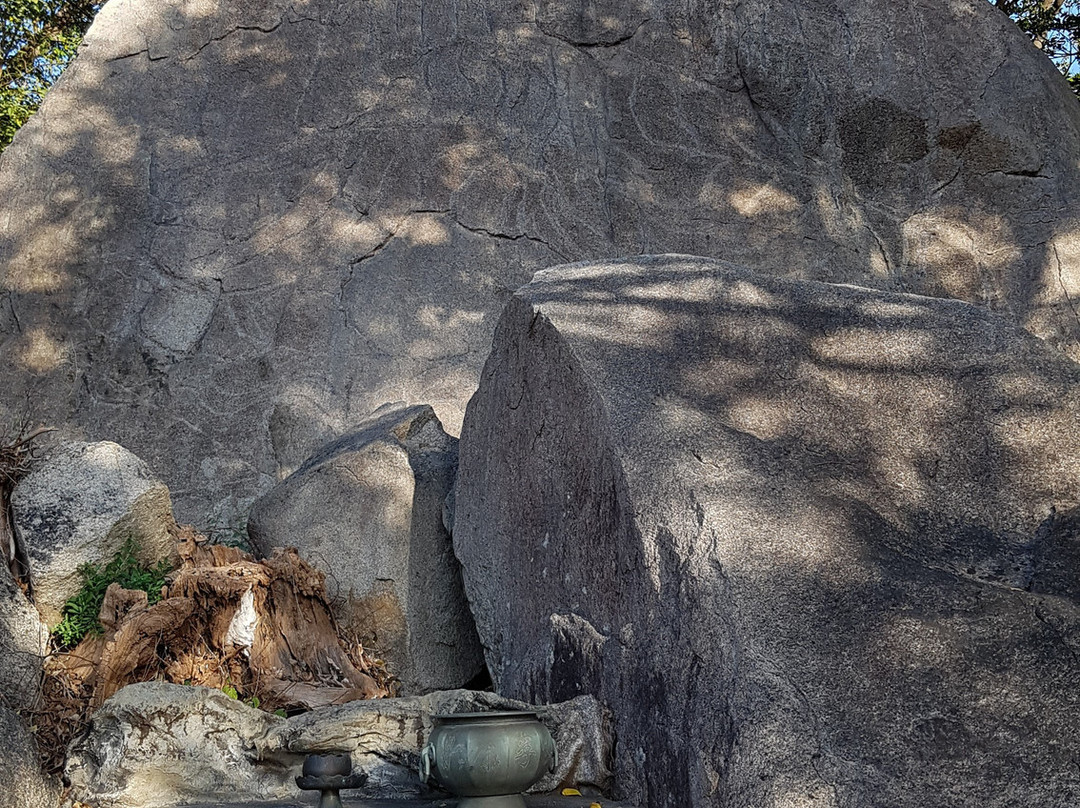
pixel 368 509
pixel 24 641
pixel 813 544
pixel 154 745
pixel 80 505
pixel 24 784
pixel 234 228
pixel 384 737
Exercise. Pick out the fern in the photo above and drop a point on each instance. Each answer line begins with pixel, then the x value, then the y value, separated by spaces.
pixel 80 613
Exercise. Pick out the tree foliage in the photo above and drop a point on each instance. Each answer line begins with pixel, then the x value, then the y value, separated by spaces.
pixel 37 40
pixel 1054 28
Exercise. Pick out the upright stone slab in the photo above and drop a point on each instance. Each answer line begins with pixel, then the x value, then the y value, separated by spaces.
pixel 367 509
pixel 79 506
pixel 813 544
pixel 235 228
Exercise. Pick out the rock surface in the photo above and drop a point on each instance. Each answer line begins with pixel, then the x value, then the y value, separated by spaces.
pixel 154 745
pixel 24 785
pixel 813 544
pixel 234 228
pixel 384 737
pixel 24 641
pixel 367 509
pixel 80 505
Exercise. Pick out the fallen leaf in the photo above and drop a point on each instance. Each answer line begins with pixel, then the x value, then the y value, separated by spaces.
pixel 571 792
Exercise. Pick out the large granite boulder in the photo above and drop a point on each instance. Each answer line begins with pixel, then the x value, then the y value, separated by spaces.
pixel 233 228
pixel 367 509
pixel 813 544
pixel 154 745
pixel 79 505
pixel 24 642
pixel 24 784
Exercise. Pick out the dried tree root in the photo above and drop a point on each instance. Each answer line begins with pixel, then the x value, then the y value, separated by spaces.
pixel 287 652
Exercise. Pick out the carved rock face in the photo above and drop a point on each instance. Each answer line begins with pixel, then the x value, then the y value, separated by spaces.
pixel 813 544
pixel 235 229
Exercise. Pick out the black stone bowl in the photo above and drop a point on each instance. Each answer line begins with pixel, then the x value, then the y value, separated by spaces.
pixel 327 765
pixel 332 782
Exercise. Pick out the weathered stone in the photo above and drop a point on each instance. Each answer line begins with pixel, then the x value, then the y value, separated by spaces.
pixel 384 737
pixel 368 510
pixel 24 784
pixel 234 228
pixel 153 745
pixel 813 544
pixel 80 505
pixel 24 641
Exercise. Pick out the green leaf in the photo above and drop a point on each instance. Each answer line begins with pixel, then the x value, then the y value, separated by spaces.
pixel 80 613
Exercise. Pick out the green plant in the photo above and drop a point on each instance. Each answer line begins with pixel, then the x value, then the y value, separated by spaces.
pixel 38 38
pixel 229 690
pixel 80 613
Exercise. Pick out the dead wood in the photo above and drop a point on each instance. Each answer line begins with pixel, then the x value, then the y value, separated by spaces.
pixel 135 645
pixel 310 696
pixel 260 630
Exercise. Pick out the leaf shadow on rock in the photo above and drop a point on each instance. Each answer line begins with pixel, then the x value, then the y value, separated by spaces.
pixel 806 539
pixel 233 232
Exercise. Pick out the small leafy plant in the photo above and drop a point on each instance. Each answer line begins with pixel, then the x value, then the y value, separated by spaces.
pixel 230 690
pixel 80 613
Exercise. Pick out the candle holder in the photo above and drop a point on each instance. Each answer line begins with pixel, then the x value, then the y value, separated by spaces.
pixel 328 774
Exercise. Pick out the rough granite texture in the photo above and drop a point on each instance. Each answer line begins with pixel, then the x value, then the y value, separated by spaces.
pixel 367 509
pixel 814 545
pixel 154 745
pixel 79 505
pixel 24 786
pixel 234 229
pixel 24 642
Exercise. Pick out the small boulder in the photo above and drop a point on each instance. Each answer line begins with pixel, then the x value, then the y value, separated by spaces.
pixel 80 505
pixel 368 509
pixel 24 641
pixel 24 786
pixel 155 744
